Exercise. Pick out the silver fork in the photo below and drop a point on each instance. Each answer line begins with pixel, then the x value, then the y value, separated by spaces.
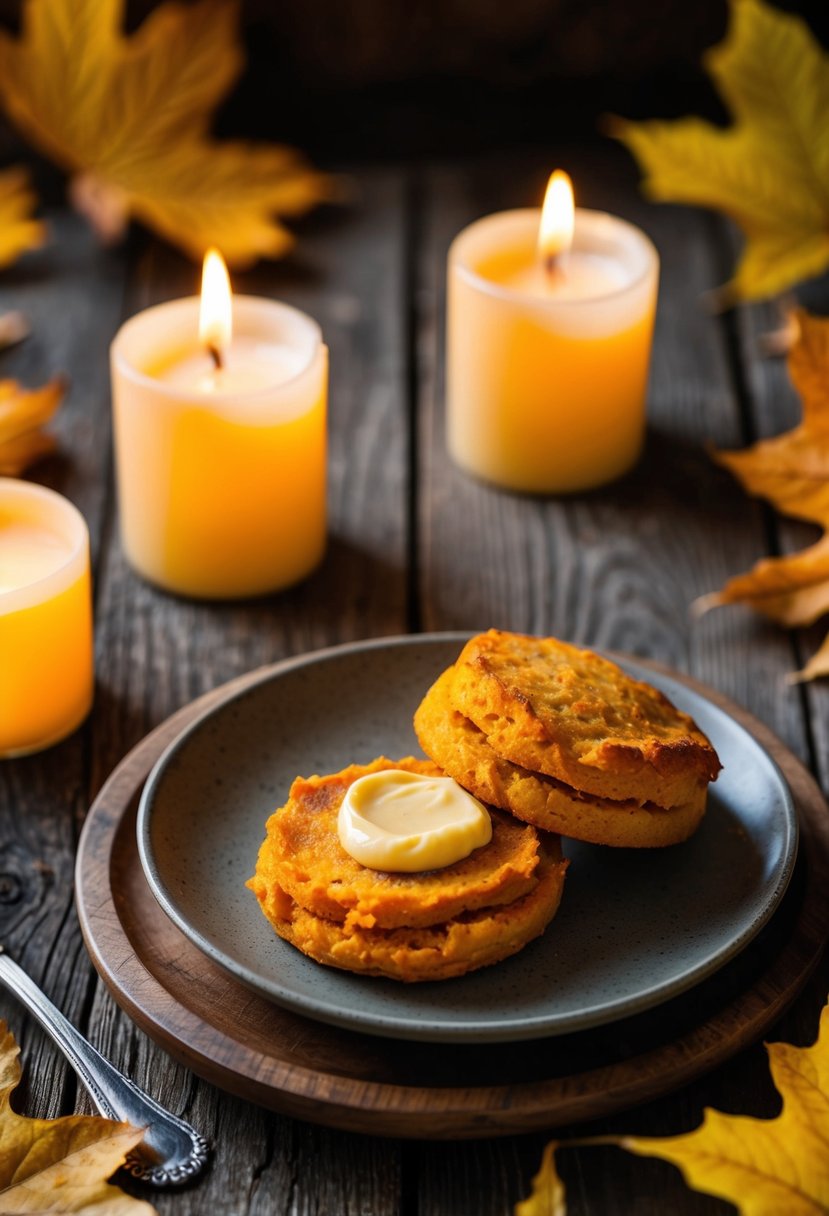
pixel 172 1152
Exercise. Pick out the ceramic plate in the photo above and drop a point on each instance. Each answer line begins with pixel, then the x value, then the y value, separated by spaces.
pixel 634 927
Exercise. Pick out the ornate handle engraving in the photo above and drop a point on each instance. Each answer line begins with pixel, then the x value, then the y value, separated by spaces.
pixel 172 1152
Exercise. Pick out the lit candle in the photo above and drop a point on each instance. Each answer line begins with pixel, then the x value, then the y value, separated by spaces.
pixel 46 674
pixel 549 326
pixel 219 413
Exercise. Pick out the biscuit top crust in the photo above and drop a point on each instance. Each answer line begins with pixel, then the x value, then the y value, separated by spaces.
pixel 582 705
pixel 302 854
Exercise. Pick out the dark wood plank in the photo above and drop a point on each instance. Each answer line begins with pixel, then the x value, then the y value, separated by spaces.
pixel 618 568
pixel 257 1050
pixel 157 652
pixel 774 407
pixel 72 293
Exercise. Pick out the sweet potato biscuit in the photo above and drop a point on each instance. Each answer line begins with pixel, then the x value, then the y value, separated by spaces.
pixel 570 714
pixel 462 750
pixel 436 952
pixel 302 856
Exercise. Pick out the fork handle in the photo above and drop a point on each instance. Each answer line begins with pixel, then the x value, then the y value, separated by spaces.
pixel 171 1152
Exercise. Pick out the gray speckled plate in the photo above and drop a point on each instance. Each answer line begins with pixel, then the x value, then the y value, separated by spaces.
pixel 634 927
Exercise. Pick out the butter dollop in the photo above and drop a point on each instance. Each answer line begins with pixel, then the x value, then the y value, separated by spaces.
pixel 399 821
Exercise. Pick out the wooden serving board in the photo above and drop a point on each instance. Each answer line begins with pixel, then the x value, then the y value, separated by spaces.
pixel 252 1048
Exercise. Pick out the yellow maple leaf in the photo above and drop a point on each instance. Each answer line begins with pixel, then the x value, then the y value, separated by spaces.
pixel 792 472
pixel 18 231
pixel 765 1167
pixel 60 1165
pixel 23 414
pixel 128 118
pixel 768 171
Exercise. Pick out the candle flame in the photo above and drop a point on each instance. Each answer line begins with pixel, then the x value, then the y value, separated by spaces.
pixel 555 233
pixel 216 312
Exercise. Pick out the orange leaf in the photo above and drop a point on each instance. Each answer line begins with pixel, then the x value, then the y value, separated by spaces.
pixel 792 590
pixel 129 118
pixel 818 665
pixel 18 231
pixel 60 1165
pixel 19 454
pixel 23 413
pixel 792 472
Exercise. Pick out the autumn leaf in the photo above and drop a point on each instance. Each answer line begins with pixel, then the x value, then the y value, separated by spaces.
pixel 792 472
pixel 792 590
pixel 547 1197
pixel 129 117
pixel 765 1167
pixel 818 665
pixel 59 1165
pixel 18 231
pixel 769 170
pixel 23 414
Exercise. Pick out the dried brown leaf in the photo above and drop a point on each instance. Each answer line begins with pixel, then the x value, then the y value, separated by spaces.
pixel 58 1166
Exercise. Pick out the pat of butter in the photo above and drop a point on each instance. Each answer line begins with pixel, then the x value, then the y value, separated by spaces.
pixel 399 821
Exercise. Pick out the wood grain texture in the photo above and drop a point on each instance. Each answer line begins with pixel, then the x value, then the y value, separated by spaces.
pixel 620 567
pixel 774 407
pixel 157 652
pixel 410 539
pixel 72 292
pixel 244 1044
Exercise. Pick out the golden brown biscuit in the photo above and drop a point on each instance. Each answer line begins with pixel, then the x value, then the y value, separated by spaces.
pixel 571 714
pixel 436 952
pixel 302 856
pixel 462 751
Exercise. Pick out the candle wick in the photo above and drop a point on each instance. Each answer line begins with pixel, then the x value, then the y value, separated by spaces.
pixel 216 356
pixel 554 265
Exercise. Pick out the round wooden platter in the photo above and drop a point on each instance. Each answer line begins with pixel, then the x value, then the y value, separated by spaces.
pixel 244 1044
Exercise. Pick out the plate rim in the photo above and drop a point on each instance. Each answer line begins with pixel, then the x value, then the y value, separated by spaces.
pixel 408 1028
pixel 382 1105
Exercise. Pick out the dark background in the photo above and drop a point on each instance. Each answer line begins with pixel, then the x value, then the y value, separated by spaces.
pixel 391 79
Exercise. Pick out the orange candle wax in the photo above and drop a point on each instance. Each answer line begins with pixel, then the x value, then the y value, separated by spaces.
pixel 221 463
pixel 547 355
pixel 46 668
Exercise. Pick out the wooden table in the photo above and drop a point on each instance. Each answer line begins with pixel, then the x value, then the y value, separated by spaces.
pixel 414 545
